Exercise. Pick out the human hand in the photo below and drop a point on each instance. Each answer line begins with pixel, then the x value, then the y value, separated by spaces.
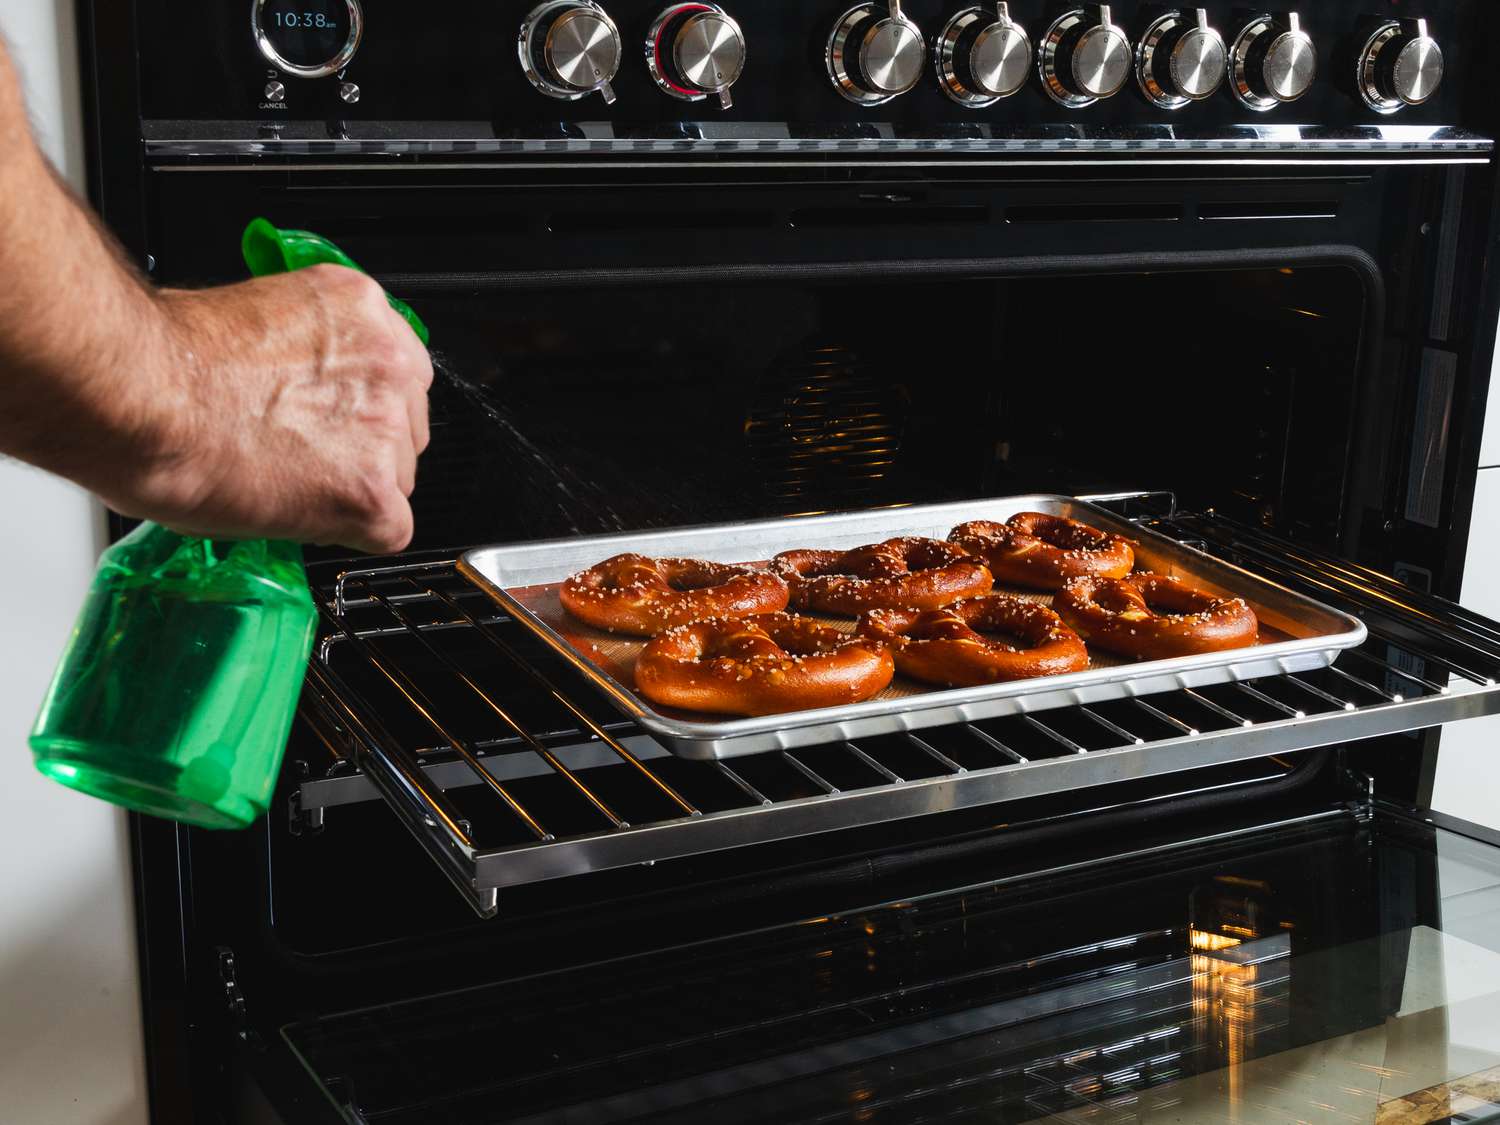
pixel 295 408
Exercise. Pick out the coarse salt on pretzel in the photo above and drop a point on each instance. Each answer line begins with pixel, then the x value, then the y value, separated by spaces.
pixel 763 665
pixel 983 640
pixel 1155 616
pixel 905 573
pixel 1044 552
pixel 643 596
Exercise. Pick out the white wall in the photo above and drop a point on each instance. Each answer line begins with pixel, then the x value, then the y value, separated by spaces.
pixel 1468 773
pixel 70 1043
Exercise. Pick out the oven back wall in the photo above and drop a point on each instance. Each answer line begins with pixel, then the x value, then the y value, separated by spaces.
pixel 70 1038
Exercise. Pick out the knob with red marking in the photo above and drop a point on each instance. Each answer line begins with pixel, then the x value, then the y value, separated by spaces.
pixel 695 51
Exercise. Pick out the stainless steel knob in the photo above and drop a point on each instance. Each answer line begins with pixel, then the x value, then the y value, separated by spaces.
pixel 1083 58
pixel 694 51
pixel 570 49
pixel 982 56
pixel 1272 62
pixel 1180 59
pixel 875 53
pixel 1399 65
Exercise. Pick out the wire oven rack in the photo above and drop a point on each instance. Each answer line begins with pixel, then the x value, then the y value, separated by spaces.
pixel 510 770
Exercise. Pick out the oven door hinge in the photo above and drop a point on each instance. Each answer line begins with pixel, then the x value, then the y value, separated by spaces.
pixel 1361 800
pixel 234 999
pixel 302 821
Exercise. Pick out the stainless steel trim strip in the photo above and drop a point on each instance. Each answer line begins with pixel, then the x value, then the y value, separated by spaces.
pixel 602 138
pixel 673 165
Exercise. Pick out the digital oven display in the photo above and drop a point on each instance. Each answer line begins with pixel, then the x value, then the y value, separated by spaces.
pixel 307 34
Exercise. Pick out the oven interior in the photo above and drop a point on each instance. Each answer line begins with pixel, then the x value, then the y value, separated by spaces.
pixel 666 405
pixel 569 409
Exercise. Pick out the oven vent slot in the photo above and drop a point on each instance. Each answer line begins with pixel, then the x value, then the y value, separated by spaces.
pixel 1248 209
pixel 891 215
pixel 508 771
pixel 684 219
pixel 1093 213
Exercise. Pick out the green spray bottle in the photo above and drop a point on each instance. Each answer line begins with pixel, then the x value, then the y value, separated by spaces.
pixel 177 689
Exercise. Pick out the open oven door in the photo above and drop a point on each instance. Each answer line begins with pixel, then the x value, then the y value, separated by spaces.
pixel 1332 965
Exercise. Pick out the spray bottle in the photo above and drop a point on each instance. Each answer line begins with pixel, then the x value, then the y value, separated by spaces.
pixel 177 689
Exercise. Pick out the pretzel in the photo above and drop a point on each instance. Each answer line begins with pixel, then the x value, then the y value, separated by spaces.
pixel 968 644
pixel 909 573
pixel 1044 552
pixel 642 596
pixel 762 665
pixel 1155 616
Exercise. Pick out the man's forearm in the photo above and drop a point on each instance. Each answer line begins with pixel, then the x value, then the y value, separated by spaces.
pixel 292 406
pixel 81 335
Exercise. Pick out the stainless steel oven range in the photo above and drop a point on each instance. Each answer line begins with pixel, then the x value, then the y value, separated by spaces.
pixel 1220 270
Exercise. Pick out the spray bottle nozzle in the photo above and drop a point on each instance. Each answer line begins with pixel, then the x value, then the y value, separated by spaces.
pixel 270 250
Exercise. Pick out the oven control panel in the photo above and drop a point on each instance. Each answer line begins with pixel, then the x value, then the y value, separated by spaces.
pixel 644 67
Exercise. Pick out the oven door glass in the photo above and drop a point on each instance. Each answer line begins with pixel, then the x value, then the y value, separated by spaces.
pixel 1343 972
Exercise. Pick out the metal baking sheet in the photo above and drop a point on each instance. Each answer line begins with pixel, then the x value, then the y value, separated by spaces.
pixel 1297 633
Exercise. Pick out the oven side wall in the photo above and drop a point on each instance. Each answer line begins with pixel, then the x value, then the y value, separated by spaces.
pixel 70 1025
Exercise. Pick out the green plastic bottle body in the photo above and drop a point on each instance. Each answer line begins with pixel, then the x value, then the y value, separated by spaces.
pixel 179 683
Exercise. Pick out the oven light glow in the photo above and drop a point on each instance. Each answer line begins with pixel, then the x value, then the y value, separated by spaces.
pixel 1206 942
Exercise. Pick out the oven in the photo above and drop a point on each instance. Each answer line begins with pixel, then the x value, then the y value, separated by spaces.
pixel 1222 271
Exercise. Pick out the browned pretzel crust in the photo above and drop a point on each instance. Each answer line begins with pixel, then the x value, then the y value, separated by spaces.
pixel 966 645
pixel 1155 616
pixel 907 573
pixel 1044 552
pixel 763 665
pixel 642 596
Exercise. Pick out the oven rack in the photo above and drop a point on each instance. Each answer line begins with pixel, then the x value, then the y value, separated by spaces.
pixel 508 769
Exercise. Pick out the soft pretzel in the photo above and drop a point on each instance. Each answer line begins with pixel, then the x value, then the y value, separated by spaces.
pixel 1155 616
pixel 642 596
pixel 969 643
pixel 762 665
pixel 907 573
pixel 1043 552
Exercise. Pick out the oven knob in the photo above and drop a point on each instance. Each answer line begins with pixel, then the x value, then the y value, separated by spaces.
pixel 1400 65
pixel 1272 62
pixel 875 53
pixel 1180 59
pixel 696 50
pixel 1083 59
pixel 570 49
pixel 307 38
pixel 982 58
